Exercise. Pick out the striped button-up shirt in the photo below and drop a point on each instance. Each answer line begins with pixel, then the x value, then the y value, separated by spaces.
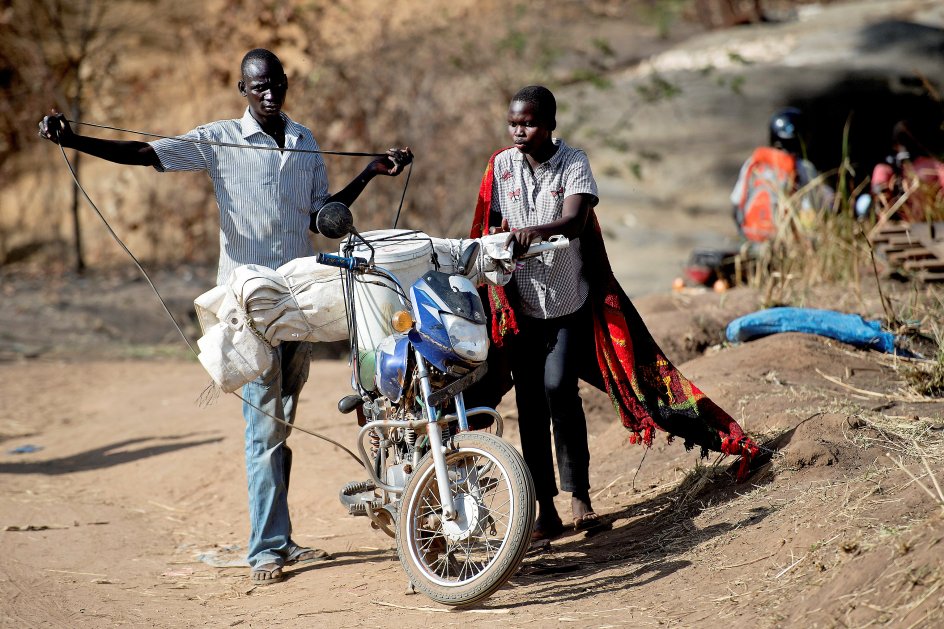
pixel 265 198
pixel 552 284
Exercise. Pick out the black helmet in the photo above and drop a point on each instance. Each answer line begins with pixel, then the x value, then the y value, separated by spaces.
pixel 785 129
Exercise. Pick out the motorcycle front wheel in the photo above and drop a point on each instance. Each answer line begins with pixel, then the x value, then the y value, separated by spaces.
pixel 463 561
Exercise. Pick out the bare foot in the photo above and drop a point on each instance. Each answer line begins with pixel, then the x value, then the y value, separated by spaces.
pixel 548 524
pixel 580 505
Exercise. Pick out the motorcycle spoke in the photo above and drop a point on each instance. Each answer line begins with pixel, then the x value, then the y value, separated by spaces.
pixel 474 546
pixel 467 567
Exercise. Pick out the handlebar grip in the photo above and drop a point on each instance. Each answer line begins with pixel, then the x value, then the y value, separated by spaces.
pixel 341 262
pixel 552 243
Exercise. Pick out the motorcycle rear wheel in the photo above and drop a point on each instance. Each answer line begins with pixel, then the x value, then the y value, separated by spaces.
pixel 465 561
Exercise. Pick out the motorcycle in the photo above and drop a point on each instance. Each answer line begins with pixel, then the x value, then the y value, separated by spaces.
pixel 459 502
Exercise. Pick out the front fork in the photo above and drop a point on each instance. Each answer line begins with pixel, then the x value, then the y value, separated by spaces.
pixel 434 432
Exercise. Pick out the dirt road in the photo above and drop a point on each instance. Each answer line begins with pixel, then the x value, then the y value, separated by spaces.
pixel 132 502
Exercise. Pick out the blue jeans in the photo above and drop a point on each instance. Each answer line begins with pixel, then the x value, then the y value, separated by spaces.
pixel 268 457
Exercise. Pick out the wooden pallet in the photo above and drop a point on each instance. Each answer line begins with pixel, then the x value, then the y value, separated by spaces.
pixel 916 249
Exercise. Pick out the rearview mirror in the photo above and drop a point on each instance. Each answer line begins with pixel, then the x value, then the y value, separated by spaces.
pixel 334 220
pixel 468 258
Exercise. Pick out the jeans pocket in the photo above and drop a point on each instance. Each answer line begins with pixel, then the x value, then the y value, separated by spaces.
pixel 298 368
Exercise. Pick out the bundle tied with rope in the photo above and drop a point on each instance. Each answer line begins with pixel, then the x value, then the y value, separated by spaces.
pixel 303 301
pixel 259 308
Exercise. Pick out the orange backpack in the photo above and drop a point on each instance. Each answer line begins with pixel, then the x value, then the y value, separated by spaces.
pixel 770 174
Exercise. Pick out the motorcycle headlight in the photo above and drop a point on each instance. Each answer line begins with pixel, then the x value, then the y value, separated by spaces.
pixel 469 340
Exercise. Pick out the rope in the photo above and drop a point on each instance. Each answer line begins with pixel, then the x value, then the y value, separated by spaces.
pixel 406 183
pixel 396 218
pixel 174 321
pixel 298 306
pixel 229 144
pixel 126 250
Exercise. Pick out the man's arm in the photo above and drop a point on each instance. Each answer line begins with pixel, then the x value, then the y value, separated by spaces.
pixel 56 129
pixel 390 165
pixel 351 191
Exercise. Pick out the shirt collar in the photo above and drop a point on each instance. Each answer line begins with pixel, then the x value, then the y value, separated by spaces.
pixel 519 157
pixel 250 127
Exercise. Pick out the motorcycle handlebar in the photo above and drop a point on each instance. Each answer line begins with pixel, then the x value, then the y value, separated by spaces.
pixel 342 262
pixel 552 243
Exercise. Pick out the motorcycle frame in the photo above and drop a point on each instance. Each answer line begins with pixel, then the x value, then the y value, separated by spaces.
pixel 432 423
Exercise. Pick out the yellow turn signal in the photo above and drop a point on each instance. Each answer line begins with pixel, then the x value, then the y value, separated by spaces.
pixel 401 321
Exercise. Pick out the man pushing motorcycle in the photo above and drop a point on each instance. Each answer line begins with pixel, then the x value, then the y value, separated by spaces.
pixel 567 318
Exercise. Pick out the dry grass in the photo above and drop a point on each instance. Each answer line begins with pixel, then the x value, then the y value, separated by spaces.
pixel 904 586
pixel 828 246
pixel 912 444
pixel 928 378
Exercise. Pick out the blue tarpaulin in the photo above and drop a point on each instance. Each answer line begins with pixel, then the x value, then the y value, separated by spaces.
pixel 848 328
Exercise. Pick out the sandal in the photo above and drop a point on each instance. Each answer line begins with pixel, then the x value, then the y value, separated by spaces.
pixel 266 574
pixel 302 555
pixel 587 522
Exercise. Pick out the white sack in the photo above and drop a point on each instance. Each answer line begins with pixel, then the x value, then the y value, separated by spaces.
pixel 233 355
pixel 207 306
pixel 300 301
pixel 494 264
pixel 258 308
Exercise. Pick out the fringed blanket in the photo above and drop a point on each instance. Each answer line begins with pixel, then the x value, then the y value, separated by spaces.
pixel 646 389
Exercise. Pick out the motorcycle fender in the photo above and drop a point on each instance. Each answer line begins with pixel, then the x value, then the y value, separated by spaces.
pixel 393 366
pixel 433 351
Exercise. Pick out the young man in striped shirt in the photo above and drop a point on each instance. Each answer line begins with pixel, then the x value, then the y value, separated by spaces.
pixel 267 200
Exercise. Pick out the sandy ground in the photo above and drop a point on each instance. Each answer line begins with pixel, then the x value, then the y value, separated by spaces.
pixel 130 510
pixel 122 497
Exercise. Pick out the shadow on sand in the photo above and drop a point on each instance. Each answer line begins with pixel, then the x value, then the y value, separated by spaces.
pixel 657 534
pixel 106 456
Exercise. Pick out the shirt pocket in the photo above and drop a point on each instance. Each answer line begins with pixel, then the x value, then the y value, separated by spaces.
pixel 299 179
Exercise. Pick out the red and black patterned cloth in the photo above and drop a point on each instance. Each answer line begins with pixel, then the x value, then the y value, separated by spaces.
pixel 645 387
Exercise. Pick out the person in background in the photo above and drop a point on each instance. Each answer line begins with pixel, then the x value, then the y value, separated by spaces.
pixel 770 177
pixel 268 197
pixel 911 180
pixel 564 317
